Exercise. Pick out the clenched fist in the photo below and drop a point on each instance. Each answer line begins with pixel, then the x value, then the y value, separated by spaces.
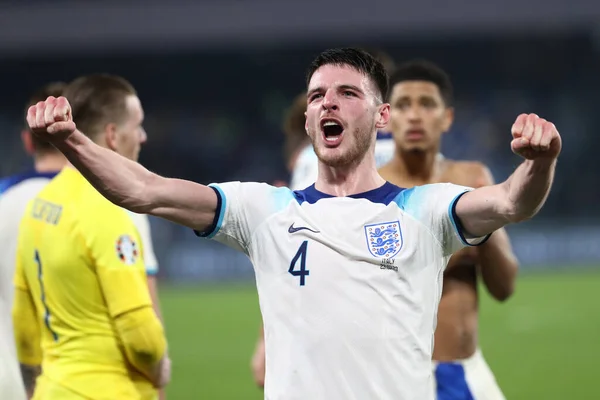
pixel 535 138
pixel 51 120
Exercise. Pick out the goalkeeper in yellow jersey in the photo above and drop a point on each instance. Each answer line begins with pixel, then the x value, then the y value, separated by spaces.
pixel 81 289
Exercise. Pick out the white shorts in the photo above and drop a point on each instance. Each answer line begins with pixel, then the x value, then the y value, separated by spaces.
pixel 468 379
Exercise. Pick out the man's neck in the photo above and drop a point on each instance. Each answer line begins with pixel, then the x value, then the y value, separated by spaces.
pixel 348 180
pixel 419 166
pixel 49 162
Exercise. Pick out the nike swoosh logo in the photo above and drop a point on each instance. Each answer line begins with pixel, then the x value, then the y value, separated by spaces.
pixel 293 229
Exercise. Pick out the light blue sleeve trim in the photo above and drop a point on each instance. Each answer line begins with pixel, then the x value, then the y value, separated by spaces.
pixel 222 206
pixel 221 212
pixel 458 227
pixel 151 270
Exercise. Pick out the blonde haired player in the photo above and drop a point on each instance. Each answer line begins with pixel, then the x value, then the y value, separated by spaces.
pixel 80 280
pixel 349 270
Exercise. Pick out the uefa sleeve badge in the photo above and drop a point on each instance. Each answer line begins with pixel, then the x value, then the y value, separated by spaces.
pixel 127 249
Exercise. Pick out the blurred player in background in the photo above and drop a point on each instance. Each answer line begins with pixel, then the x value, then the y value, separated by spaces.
pixel 421 102
pixel 15 192
pixel 349 270
pixel 296 140
pixel 81 285
pixel 306 163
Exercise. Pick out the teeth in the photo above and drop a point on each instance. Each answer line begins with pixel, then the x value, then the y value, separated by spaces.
pixel 331 139
pixel 330 123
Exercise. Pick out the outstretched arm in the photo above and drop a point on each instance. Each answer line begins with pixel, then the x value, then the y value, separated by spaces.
pixel 523 194
pixel 498 263
pixel 122 181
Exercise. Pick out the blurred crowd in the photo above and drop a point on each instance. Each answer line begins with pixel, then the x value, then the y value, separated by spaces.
pixel 215 117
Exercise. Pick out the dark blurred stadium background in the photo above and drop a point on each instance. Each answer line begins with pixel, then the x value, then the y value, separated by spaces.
pixel 215 78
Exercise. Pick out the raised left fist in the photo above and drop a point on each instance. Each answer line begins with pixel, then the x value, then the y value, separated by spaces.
pixel 535 138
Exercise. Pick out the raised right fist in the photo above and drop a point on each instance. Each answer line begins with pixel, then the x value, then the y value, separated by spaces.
pixel 51 120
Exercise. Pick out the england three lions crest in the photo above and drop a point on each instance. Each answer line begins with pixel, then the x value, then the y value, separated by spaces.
pixel 384 240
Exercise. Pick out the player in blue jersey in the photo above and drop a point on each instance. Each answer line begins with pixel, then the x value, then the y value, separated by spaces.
pixel 421 102
pixel 349 270
pixel 15 193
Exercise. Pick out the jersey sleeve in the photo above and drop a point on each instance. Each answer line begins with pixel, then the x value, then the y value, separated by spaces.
pixel 25 322
pixel 241 208
pixel 19 278
pixel 435 206
pixel 142 224
pixel 114 245
pixel 26 329
pixel 306 170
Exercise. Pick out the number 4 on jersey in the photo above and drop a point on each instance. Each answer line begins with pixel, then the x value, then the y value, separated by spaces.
pixel 300 256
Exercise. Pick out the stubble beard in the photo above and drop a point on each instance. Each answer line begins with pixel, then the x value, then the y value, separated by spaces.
pixel 353 155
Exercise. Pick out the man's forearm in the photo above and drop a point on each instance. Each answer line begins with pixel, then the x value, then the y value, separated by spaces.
pixel 528 187
pixel 30 374
pixel 122 181
pixel 520 197
pixel 129 185
pixel 499 265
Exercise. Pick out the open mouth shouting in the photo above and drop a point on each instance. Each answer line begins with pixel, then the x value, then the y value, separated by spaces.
pixel 332 130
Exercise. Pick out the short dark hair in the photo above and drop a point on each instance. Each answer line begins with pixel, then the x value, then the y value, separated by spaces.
pixel 55 89
pixel 294 123
pixel 97 100
pixel 423 70
pixel 355 58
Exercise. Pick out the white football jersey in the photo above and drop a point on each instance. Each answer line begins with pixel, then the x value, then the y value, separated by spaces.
pixel 15 193
pixel 306 169
pixel 348 286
